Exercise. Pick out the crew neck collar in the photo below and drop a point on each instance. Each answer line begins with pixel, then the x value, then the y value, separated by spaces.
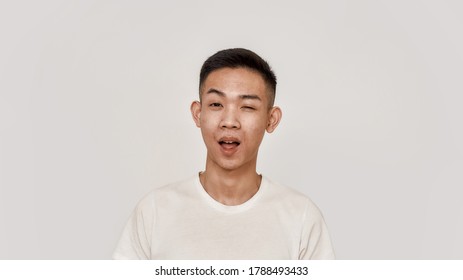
pixel 230 208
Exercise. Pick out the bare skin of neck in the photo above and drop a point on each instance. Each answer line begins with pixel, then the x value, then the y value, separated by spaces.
pixel 230 187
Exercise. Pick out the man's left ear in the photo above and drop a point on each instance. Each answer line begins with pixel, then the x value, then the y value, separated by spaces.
pixel 274 118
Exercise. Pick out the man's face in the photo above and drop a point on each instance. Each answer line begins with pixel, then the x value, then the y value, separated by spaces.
pixel 233 116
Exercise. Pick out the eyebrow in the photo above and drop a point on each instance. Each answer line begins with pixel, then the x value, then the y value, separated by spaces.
pixel 218 92
pixel 243 96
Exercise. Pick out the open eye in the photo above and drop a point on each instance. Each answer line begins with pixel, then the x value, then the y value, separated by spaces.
pixel 215 104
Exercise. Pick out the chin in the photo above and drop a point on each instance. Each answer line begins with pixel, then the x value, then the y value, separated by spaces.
pixel 229 166
pixel 226 164
pixel 229 163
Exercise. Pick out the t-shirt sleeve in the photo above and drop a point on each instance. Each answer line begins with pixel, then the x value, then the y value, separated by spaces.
pixel 315 239
pixel 135 242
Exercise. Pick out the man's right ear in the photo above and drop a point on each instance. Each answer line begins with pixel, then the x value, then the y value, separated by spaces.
pixel 195 109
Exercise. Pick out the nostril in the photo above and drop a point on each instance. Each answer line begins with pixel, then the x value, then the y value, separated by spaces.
pixel 229 124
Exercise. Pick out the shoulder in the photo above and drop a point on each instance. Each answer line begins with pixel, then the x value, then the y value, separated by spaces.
pixel 168 193
pixel 291 199
pixel 285 194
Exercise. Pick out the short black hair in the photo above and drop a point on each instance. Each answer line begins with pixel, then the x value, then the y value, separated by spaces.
pixel 239 58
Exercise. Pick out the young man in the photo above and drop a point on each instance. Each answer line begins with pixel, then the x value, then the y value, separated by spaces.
pixel 228 211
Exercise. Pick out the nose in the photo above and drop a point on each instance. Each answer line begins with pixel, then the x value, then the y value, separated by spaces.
pixel 230 119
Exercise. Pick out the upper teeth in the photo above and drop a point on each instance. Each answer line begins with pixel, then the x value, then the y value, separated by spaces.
pixel 228 142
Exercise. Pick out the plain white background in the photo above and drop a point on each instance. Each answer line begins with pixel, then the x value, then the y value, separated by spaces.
pixel 94 112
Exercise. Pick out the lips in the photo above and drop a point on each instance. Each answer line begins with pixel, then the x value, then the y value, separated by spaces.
pixel 229 144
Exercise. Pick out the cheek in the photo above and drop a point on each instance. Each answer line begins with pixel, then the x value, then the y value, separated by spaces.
pixel 256 130
pixel 207 127
pixel 258 123
pixel 206 120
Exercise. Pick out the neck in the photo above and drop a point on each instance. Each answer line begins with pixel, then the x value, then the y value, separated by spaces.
pixel 230 187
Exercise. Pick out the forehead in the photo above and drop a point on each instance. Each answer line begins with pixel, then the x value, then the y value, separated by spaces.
pixel 235 80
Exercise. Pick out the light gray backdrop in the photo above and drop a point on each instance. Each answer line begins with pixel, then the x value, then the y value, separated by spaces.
pixel 94 112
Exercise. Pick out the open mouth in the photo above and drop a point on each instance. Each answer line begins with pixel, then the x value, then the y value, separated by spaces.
pixel 229 144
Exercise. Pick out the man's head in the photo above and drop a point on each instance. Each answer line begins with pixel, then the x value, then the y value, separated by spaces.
pixel 239 58
pixel 236 109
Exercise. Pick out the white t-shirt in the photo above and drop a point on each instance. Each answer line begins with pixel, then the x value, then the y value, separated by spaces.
pixel 181 221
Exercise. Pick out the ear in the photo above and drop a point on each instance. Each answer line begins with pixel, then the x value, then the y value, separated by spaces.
pixel 274 117
pixel 195 109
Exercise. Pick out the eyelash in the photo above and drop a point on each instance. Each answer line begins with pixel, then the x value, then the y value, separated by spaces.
pixel 248 107
pixel 215 105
